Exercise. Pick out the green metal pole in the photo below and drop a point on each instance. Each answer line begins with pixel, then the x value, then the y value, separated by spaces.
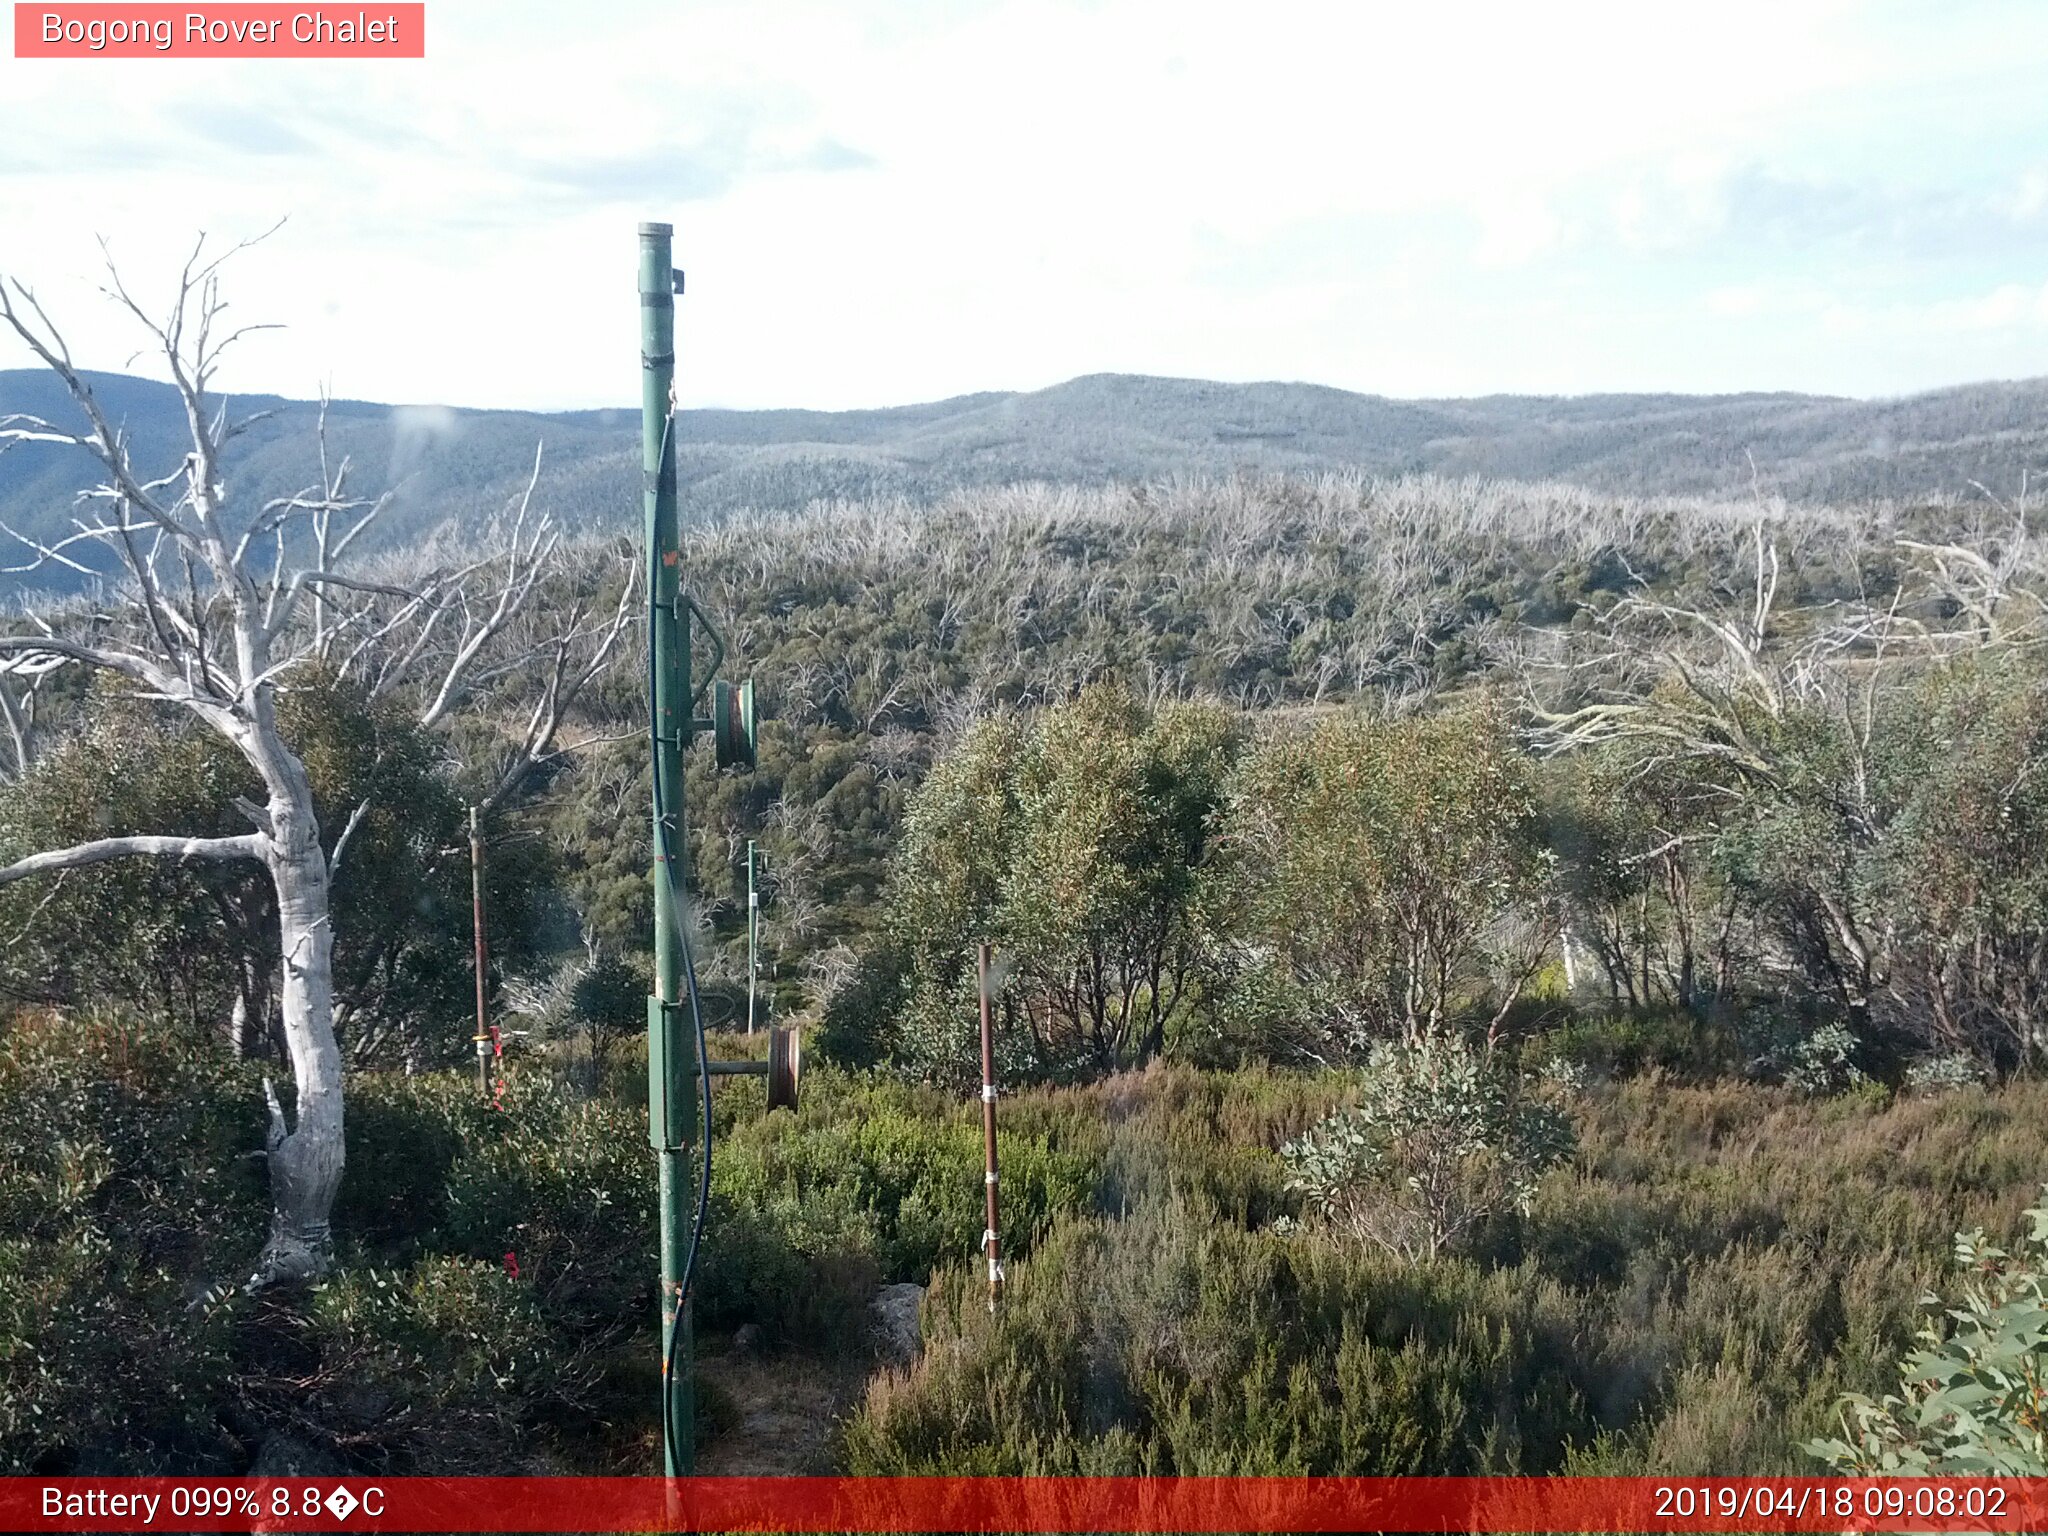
pixel 671 1076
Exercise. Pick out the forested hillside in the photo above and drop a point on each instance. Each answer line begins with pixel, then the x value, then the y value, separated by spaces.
pixel 1689 837
pixel 445 463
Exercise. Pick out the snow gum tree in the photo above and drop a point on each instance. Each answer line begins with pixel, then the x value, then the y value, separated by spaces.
pixel 212 609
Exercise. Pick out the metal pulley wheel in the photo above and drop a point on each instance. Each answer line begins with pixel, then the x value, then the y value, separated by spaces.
pixel 734 730
pixel 785 1066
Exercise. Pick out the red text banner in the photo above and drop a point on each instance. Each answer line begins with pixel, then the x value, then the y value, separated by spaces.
pixel 1192 1504
pixel 221 31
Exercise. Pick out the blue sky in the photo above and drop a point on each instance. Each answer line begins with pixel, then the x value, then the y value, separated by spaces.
pixel 903 199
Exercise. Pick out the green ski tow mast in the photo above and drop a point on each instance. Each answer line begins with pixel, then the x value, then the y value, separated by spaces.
pixel 674 1057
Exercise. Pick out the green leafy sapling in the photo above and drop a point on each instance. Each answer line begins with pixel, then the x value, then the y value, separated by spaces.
pixel 1973 1399
pixel 1446 1136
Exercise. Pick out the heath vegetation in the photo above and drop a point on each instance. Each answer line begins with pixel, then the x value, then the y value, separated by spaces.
pixel 1490 976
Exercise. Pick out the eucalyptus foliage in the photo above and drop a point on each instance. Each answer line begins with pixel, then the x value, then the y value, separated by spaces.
pixel 1973 1398
pixel 198 941
pixel 1380 877
pixel 1444 1137
pixel 1075 843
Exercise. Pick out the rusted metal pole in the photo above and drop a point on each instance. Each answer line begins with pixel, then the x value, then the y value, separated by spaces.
pixel 753 936
pixel 989 1241
pixel 476 914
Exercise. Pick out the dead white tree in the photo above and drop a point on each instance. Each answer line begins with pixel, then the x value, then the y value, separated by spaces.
pixel 1713 690
pixel 211 609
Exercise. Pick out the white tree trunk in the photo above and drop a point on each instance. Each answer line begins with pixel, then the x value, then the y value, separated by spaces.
pixel 306 1157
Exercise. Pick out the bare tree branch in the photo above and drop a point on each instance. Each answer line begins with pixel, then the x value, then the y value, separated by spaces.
pixel 250 845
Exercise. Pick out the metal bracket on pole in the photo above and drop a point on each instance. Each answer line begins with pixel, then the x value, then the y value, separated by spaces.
pixel 671 1113
pixel 717 646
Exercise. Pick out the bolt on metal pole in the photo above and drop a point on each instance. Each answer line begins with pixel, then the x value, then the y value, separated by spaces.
pixel 753 936
pixel 670 1076
pixel 476 918
pixel 989 1241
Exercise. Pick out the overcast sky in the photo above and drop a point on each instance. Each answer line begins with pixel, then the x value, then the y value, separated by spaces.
pixel 900 200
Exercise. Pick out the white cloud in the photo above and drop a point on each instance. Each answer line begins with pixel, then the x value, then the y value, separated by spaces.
pixel 2007 307
pixel 1738 302
pixel 2029 198
pixel 886 201
pixel 1674 205
pixel 1772 299
pixel 1515 229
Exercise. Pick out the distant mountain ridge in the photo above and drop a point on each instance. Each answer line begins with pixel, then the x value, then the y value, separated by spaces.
pixel 463 464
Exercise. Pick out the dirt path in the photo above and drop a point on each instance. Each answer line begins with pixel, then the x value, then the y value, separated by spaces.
pixel 787 1407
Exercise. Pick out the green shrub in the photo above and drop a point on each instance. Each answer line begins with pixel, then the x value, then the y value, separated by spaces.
pixel 444 1367
pixel 1946 1073
pixel 102 1369
pixel 1823 1062
pixel 802 1270
pixel 126 1189
pixel 1211 1136
pixel 1445 1137
pixel 860 1025
pixel 1629 1042
pixel 1376 877
pixel 566 1187
pixel 129 1188
pixel 872 1180
pixel 1173 1342
pixel 404 1134
pixel 1072 840
pixel 1726 1260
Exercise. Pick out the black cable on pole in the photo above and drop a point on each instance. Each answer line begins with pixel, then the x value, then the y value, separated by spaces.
pixel 664 831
